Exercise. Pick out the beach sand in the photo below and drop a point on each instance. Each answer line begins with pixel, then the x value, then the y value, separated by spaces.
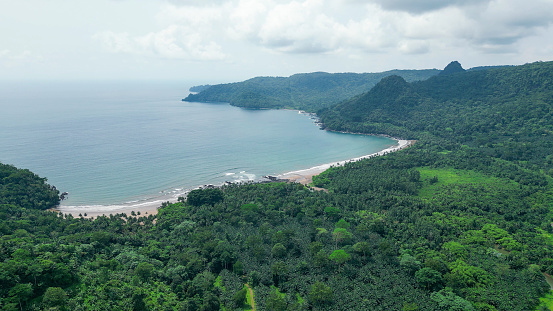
pixel 306 176
pixel 145 208
pixel 151 207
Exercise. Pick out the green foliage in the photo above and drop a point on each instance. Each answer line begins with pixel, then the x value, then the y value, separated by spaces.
pixel 144 270
pixel 276 301
pixel 465 275
pixel 239 298
pixel 339 256
pixel 278 250
pixel 309 92
pixel 342 224
pixel 20 293
pixel 429 278
pixel 342 236
pixel 23 188
pixel 447 300
pixel 54 297
pixel 207 196
pixel 320 294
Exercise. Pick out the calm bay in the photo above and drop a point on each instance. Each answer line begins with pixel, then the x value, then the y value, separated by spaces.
pixel 113 143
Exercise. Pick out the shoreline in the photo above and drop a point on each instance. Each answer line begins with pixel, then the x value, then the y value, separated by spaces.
pixel 305 176
pixel 151 206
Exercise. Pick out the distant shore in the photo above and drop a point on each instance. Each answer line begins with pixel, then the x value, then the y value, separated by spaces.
pixel 151 207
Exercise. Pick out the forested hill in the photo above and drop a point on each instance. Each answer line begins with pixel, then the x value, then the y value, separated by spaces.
pixel 504 112
pixel 307 91
pixel 25 189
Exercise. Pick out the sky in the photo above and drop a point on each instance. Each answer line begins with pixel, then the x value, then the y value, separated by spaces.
pixel 217 41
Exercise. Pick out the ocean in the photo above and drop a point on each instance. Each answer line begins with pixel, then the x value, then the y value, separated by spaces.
pixel 109 143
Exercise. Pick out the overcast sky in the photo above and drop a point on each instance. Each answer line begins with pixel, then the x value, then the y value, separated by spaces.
pixel 232 40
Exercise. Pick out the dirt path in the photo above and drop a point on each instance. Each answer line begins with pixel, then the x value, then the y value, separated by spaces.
pixel 250 291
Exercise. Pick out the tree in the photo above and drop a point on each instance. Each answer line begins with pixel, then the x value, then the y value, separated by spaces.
pixel 409 262
pixel 428 278
pixel 254 278
pixel 276 301
pixel 239 298
pixel 339 256
pixel 320 294
pixel 362 248
pixel 54 297
pixel 465 275
pixel 447 300
pixel 341 235
pixel 278 250
pixel 20 293
pixel 238 268
pixel 342 224
pixel 144 270
pixel 200 197
pixel 138 302
pixel 332 212
pixel 320 259
pixel 315 247
pixel 279 270
pixel 210 302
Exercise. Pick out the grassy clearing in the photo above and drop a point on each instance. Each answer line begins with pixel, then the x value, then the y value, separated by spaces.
pixel 436 178
pixel 546 301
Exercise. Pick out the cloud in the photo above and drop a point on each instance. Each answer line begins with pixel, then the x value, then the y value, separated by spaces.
pixel 173 42
pixel 414 47
pixel 209 29
pixel 300 27
pixel 421 6
pixel 503 23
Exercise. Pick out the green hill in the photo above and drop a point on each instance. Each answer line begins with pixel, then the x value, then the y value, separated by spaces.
pixel 504 112
pixel 308 91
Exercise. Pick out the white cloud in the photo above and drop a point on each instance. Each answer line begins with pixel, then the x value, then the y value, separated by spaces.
pixel 208 30
pixel 300 27
pixel 178 42
pixel 173 42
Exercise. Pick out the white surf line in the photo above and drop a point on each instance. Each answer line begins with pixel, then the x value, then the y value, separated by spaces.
pixel 321 168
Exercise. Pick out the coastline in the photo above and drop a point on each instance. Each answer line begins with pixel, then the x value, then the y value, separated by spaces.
pixel 305 176
pixel 150 207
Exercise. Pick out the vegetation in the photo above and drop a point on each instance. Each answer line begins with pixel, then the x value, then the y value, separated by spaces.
pixel 307 91
pixel 459 221
pixel 25 189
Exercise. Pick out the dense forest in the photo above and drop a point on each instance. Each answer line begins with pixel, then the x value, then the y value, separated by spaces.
pixel 462 220
pixel 306 91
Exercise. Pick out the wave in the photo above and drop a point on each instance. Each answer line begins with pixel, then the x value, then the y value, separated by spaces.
pixel 171 195
pixel 323 167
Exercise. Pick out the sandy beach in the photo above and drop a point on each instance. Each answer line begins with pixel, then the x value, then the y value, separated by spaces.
pixel 145 208
pixel 306 176
pixel 151 207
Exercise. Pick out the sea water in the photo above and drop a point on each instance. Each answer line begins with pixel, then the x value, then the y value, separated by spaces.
pixel 108 143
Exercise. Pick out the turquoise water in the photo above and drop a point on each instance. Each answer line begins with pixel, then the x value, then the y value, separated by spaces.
pixel 112 143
